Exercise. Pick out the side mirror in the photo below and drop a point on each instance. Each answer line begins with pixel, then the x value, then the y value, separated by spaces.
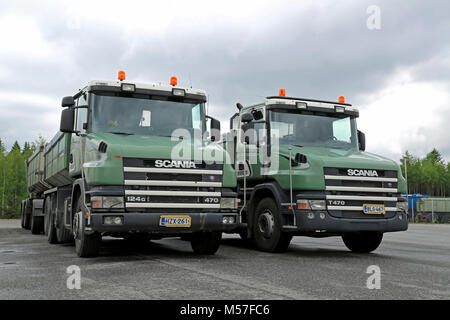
pixel 361 141
pixel 257 115
pixel 67 102
pixel 215 129
pixel 67 120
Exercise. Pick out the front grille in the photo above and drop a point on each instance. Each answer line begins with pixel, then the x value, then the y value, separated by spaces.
pixel 158 185
pixel 348 190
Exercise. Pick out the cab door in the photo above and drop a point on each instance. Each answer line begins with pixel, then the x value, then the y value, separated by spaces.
pixel 75 157
pixel 254 134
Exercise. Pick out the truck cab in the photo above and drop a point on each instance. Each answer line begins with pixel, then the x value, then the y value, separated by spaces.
pixel 140 163
pixel 302 170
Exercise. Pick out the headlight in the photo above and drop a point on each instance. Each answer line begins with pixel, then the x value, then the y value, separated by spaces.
pixel 402 206
pixel 317 204
pixel 228 203
pixel 99 202
pixel 304 204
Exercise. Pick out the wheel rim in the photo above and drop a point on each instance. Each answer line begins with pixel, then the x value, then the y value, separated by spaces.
pixel 266 224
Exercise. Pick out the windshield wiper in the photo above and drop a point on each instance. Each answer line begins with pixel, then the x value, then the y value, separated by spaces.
pixel 122 133
pixel 297 145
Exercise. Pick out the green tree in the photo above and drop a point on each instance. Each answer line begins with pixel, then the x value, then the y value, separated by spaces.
pixel 429 175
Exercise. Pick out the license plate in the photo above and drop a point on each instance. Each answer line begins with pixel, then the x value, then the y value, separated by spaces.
pixel 175 221
pixel 374 209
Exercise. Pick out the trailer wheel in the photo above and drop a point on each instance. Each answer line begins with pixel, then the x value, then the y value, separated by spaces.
pixel 27 216
pixel 37 224
pixel 206 242
pixel 267 228
pixel 363 242
pixel 49 221
pixel 22 214
pixel 86 245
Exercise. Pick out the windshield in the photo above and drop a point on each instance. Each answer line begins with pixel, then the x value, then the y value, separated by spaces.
pixel 313 130
pixel 124 115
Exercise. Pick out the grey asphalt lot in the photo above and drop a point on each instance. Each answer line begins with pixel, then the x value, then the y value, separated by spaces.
pixel 414 265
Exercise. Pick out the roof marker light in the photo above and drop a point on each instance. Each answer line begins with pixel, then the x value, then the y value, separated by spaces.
pixel 121 75
pixel 173 81
pixel 341 99
pixel 282 93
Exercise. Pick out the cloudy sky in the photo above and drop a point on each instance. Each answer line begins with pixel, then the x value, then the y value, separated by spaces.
pixel 238 51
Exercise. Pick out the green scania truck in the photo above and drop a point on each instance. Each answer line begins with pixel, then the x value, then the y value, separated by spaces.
pixel 116 168
pixel 302 170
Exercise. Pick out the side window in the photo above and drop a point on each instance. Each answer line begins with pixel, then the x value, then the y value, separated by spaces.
pixel 196 121
pixel 342 129
pixel 81 113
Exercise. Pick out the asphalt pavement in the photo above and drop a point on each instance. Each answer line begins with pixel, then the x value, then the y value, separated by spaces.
pixel 414 265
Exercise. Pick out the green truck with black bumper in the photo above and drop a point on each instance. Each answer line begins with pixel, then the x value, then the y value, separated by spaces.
pixel 302 170
pixel 134 161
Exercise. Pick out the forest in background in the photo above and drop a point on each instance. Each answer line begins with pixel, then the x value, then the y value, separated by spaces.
pixel 429 175
pixel 13 185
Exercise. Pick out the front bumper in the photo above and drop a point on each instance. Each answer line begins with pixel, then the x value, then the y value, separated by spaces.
pixel 332 225
pixel 149 222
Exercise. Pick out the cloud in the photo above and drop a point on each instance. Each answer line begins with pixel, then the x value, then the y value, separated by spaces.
pixel 408 114
pixel 238 52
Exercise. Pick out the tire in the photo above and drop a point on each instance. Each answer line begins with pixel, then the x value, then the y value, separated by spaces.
pixel 37 225
pixel 63 234
pixel 22 215
pixel 49 222
pixel 267 228
pixel 27 216
pixel 46 215
pixel 206 243
pixel 363 242
pixel 86 245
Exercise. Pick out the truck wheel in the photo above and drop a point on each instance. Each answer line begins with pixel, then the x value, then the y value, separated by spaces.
pixel 363 242
pixel 206 242
pixel 49 221
pixel 267 228
pixel 86 245
pixel 63 234
pixel 37 225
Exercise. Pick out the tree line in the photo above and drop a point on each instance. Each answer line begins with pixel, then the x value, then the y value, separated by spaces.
pixel 13 185
pixel 429 175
